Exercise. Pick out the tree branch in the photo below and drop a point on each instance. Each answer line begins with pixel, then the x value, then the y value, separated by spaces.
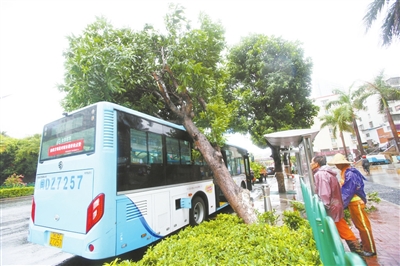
pixel 202 103
pixel 164 93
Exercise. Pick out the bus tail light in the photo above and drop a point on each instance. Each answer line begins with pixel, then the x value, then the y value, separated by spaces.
pixel 33 210
pixel 95 211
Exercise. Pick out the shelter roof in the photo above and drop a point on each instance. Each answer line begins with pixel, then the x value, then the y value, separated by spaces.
pixel 290 138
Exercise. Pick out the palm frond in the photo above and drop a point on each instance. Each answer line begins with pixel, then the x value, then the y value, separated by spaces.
pixel 391 24
pixel 373 10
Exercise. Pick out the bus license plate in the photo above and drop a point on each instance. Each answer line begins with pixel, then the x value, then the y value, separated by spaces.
pixel 56 240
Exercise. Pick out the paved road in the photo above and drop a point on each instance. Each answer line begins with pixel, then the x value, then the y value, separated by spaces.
pixel 386 184
pixel 384 192
pixel 15 249
pixel 386 179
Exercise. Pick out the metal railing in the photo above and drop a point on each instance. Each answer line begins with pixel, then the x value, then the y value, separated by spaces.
pixel 326 236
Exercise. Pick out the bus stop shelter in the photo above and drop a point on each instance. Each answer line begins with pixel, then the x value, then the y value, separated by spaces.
pixel 324 229
pixel 298 141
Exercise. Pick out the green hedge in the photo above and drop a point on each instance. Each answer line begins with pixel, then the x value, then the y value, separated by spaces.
pixel 11 192
pixel 228 241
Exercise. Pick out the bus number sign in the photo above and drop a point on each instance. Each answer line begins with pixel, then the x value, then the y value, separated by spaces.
pixel 63 183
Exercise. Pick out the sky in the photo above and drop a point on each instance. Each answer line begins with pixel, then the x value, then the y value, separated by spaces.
pixel 33 38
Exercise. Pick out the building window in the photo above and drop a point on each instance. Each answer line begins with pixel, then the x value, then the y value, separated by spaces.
pixel 361 127
pixel 367 135
pixel 371 124
pixel 396 117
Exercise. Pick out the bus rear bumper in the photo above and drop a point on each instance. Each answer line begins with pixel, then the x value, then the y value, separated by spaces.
pixel 74 243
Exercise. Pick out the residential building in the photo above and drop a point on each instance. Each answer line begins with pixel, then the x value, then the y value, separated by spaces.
pixel 373 126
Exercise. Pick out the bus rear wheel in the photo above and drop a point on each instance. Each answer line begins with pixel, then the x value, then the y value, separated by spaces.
pixel 198 211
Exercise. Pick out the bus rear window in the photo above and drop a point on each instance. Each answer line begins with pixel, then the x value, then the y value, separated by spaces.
pixel 73 134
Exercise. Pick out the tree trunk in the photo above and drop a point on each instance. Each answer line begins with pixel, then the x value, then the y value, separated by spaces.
pixel 280 177
pixel 344 145
pixel 393 128
pixel 237 197
pixel 360 146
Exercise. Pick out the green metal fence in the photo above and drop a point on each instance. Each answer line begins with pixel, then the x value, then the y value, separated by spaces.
pixel 325 233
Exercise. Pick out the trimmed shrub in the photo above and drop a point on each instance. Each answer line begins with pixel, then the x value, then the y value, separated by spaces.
pixel 228 241
pixel 6 192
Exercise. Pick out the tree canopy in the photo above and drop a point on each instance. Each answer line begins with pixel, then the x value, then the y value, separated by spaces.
pixel 109 64
pixel 19 156
pixel 119 65
pixel 272 79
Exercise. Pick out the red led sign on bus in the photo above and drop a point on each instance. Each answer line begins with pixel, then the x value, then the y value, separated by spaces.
pixel 72 146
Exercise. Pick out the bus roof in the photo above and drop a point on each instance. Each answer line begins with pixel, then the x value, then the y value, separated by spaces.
pixel 134 112
pixel 146 116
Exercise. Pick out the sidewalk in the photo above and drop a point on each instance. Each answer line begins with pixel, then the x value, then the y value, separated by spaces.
pixel 385 220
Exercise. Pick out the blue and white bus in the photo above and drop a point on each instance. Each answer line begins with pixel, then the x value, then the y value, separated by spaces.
pixel 111 180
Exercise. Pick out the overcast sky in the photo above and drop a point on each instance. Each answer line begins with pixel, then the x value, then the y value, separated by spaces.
pixel 33 38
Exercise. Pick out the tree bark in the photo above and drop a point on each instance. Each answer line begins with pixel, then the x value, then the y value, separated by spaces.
pixel 237 197
pixel 280 177
pixel 393 128
pixel 344 145
pixel 360 146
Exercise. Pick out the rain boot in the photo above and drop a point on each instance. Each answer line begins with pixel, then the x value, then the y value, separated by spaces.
pixel 355 247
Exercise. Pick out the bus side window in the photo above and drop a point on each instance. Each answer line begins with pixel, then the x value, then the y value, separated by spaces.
pixel 173 156
pixel 155 148
pixel 185 152
pixel 139 152
pixel 155 167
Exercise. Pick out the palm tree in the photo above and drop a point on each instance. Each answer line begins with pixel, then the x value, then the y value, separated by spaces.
pixel 349 106
pixel 391 24
pixel 338 120
pixel 385 93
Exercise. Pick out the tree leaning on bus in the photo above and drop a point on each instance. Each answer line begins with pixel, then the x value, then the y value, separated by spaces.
pixel 182 77
pixel 176 76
